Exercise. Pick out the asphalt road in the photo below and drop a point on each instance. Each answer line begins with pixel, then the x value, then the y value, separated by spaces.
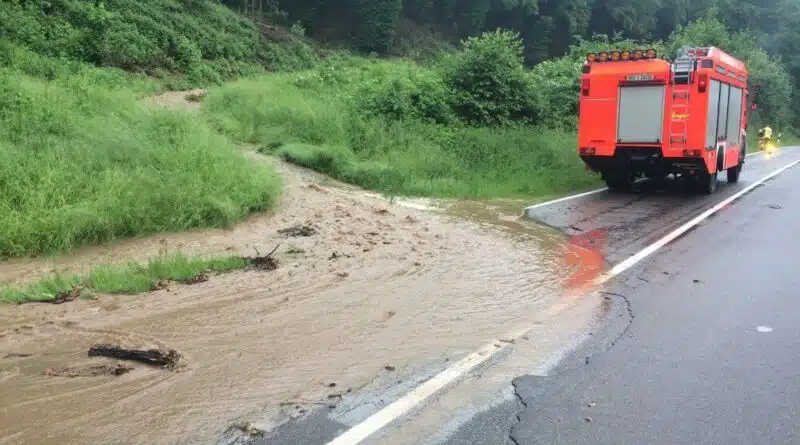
pixel 628 222
pixel 699 343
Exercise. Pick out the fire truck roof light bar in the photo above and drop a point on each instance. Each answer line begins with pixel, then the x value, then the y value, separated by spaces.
pixel 614 56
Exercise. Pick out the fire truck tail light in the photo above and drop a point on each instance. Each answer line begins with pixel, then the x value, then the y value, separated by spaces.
pixel 587 151
pixel 585 87
pixel 702 83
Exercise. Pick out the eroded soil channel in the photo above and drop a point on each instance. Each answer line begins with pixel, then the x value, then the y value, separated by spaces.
pixel 361 286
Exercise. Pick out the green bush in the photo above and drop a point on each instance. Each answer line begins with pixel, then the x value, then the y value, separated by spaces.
pixel 203 40
pixel 321 129
pixel 488 81
pixel 81 163
pixel 408 92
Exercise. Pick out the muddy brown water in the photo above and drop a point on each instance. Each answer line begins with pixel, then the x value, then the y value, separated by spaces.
pixel 377 285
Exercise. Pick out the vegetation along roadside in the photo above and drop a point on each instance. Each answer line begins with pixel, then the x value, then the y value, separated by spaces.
pixel 402 97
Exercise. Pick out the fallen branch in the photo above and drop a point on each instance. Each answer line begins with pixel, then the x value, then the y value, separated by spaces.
pixel 153 357
pixel 267 262
pixel 202 277
pixel 66 296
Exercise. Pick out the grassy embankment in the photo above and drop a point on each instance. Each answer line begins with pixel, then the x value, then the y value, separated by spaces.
pixel 84 161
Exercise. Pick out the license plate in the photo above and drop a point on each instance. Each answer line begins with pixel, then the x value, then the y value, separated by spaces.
pixel 640 77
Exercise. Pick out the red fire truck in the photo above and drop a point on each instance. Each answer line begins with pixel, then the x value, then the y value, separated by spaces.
pixel 643 116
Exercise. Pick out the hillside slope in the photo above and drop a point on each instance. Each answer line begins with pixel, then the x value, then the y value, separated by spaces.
pixel 471 123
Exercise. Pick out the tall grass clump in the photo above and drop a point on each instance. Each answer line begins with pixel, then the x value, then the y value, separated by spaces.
pixel 83 163
pixel 404 129
pixel 127 278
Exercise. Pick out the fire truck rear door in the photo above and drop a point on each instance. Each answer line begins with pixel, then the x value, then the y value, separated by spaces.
pixel 640 117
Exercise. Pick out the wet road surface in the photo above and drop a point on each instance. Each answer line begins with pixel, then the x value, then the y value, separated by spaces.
pixel 699 345
pixel 619 225
pixel 674 356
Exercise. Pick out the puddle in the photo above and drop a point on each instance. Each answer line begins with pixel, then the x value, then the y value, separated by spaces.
pixel 373 288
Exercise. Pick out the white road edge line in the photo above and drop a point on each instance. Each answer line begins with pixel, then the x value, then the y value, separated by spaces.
pixel 590 192
pixel 403 405
pixel 649 250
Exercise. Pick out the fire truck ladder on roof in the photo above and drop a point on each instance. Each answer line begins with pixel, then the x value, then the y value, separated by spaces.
pixel 682 75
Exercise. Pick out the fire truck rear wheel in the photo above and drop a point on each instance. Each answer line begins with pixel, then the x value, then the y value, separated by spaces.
pixel 708 183
pixel 734 173
pixel 619 185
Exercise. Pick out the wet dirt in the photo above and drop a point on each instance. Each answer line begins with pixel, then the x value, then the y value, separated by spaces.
pixel 373 286
pixel 190 100
pixel 90 371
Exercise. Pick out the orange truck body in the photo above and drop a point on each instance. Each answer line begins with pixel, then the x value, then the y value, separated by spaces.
pixel 644 116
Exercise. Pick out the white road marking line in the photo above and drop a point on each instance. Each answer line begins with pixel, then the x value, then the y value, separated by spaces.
pixel 649 250
pixel 590 192
pixel 415 397
pixel 565 198
pixel 764 329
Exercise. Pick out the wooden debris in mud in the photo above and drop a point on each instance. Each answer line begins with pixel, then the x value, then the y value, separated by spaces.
pixel 65 296
pixel 15 356
pixel 90 371
pixel 248 428
pixel 298 230
pixel 164 283
pixel 265 262
pixel 154 357
pixel 199 278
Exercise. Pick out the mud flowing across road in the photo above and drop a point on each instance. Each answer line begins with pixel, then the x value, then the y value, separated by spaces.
pixel 364 288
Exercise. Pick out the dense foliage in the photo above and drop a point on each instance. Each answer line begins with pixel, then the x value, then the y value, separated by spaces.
pixel 206 41
pixel 764 32
pixel 201 39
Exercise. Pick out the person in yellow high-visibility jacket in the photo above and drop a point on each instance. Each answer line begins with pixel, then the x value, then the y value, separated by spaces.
pixel 765 133
pixel 764 137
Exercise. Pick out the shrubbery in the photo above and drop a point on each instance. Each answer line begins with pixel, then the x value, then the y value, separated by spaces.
pixel 465 127
pixel 202 41
pixel 488 81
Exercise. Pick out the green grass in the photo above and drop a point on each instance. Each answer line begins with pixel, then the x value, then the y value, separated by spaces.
pixel 184 43
pixel 318 120
pixel 83 162
pixel 127 278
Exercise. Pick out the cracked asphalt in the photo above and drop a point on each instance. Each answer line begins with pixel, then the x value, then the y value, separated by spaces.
pixel 701 346
pixel 697 344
